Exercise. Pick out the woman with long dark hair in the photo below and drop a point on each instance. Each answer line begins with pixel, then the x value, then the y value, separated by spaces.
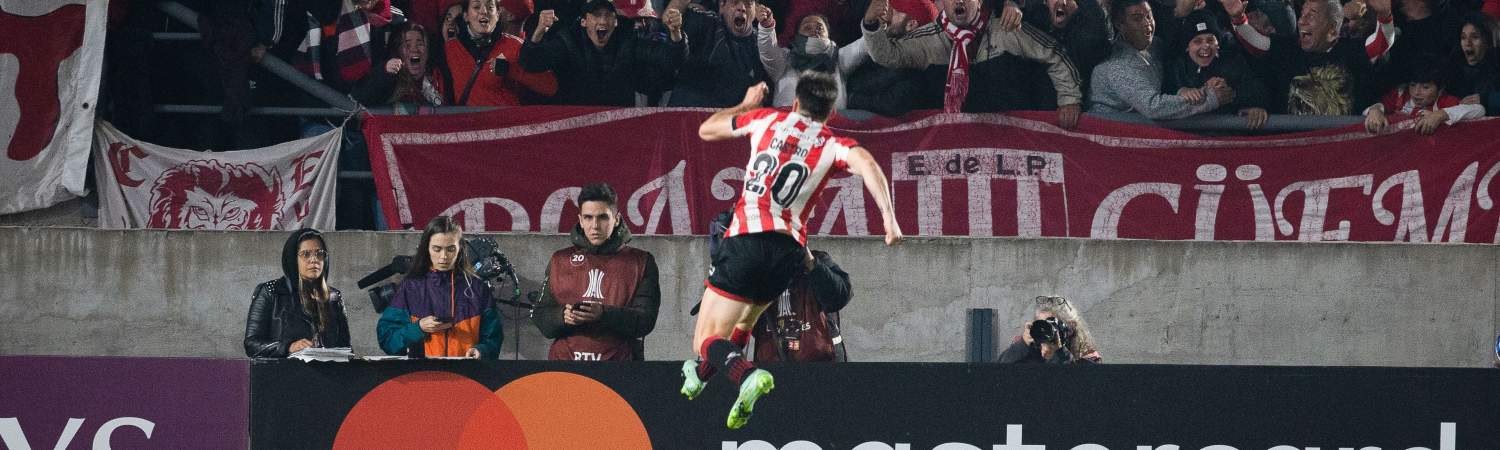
pixel 411 77
pixel 1478 81
pixel 441 308
pixel 298 310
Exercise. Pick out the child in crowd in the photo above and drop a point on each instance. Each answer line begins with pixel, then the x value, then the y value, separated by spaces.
pixel 1422 96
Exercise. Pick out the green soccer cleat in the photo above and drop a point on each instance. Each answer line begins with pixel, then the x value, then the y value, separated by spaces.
pixel 691 385
pixel 756 384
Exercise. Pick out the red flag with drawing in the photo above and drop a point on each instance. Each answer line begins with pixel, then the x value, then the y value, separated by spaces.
pixel 282 187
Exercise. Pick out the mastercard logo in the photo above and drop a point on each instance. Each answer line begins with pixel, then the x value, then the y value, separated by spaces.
pixel 544 411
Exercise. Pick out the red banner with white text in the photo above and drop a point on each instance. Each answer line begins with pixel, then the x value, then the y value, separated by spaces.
pixel 953 175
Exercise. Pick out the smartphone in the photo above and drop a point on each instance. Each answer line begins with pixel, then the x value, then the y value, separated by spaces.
pixel 443 319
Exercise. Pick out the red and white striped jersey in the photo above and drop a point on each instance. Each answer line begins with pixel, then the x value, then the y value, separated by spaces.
pixel 791 157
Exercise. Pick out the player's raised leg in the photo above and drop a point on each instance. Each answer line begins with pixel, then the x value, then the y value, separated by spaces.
pixel 696 372
pixel 719 321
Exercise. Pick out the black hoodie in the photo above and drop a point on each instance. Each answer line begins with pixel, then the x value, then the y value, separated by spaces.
pixel 277 318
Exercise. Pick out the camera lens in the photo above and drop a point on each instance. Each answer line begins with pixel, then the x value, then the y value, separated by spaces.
pixel 1043 330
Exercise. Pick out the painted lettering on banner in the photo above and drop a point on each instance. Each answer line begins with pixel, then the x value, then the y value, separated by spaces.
pixel 955 175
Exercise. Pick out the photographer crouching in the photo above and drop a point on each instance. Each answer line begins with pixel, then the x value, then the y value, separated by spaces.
pixel 1058 335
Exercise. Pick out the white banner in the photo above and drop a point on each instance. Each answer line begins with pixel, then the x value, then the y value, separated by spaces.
pixel 51 57
pixel 281 187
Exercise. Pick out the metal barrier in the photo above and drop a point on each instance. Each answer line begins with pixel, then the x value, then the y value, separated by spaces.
pixel 342 105
pixel 271 63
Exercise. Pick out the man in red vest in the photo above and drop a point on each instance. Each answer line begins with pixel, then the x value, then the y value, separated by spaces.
pixel 600 296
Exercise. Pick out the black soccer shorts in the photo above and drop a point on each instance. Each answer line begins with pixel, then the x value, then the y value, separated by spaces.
pixel 755 268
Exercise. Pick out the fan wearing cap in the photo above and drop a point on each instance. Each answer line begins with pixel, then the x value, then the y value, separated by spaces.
pixel 1131 79
pixel 1200 62
pixel 482 59
pixel 1422 97
pixel 893 92
pixel 597 63
pixel 973 44
pixel 1316 71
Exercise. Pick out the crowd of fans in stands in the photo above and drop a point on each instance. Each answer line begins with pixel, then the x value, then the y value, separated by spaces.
pixel 1385 60
pixel 1425 58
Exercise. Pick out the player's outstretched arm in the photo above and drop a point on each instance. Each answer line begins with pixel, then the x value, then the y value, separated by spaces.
pixel 720 126
pixel 864 165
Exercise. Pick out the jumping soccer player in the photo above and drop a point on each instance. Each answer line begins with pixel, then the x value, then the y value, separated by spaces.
pixel 792 154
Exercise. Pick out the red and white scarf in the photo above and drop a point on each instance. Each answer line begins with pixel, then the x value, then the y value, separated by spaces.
pixel 958 62
pixel 354 45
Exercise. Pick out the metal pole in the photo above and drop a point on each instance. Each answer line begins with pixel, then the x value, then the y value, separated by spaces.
pixel 260 111
pixel 163 36
pixel 309 112
pixel 1278 123
pixel 270 63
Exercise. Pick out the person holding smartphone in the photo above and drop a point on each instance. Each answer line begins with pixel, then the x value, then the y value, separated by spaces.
pixel 600 297
pixel 441 308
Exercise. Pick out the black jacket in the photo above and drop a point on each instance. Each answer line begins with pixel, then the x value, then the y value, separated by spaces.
pixel 276 318
pixel 1019 352
pixel 1249 90
pixel 1483 80
pixel 720 65
pixel 1086 40
pixel 1346 66
pixel 587 75
pixel 893 92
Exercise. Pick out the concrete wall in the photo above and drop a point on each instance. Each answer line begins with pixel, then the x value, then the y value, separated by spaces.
pixel 70 213
pixel 155 293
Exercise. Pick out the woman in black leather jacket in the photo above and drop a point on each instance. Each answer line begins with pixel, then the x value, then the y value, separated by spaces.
pixel 298 310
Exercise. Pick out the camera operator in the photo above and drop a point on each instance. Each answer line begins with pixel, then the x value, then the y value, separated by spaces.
pixel 803 325
pixel 441 308
pixel 600 297
pixel 1058 335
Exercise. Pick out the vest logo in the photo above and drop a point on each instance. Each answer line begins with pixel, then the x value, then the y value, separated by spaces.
pixel 596 279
